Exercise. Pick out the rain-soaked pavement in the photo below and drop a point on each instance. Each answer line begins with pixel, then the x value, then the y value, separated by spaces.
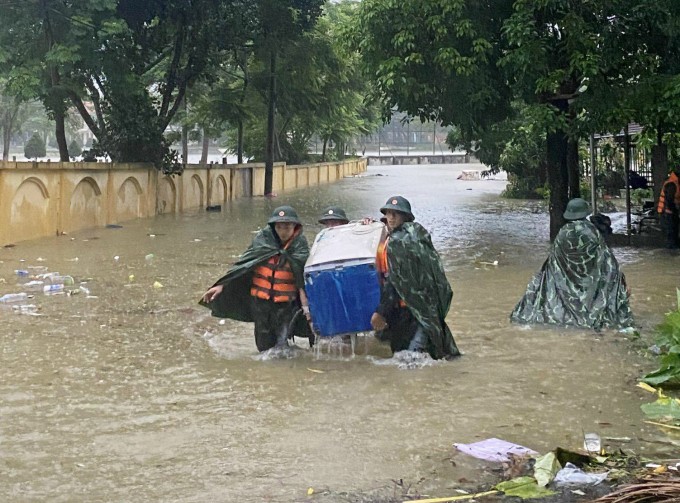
pixel 134 393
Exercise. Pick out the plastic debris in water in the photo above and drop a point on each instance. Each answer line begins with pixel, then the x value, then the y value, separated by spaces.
pixel 592 443
pixel 157 284
pixel 14 297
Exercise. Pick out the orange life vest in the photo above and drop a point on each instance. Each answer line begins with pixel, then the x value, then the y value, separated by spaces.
pixel 382 266
pixel 274 281
pixel 661 207
pixel 381 258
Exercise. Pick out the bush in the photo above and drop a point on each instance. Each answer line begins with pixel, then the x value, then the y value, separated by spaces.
pixel 35 147
pixel 74 149
pixel 523 188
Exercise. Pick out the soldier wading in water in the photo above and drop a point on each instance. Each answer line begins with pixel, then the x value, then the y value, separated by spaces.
pixel 265 285
pixel 415 294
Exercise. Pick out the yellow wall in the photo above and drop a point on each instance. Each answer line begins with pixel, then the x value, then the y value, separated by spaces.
pixel 46 198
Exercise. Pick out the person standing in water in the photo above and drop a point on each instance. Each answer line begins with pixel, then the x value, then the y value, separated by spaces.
pixel 580 283
pixel 333 216
pixel 415 294
pixel 266 284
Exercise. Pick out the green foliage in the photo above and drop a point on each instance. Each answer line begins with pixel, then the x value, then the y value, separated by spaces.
pixel 638 196
pixel 320 92
pixel 669 341
pixel 516 146
pixel 130 62
pixel 436 60
pixel 35 147
pixel 75 148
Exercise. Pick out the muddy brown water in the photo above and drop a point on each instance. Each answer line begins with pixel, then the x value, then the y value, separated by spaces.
pixel 135 393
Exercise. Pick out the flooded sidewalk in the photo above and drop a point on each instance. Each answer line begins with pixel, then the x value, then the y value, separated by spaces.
pixel 130 391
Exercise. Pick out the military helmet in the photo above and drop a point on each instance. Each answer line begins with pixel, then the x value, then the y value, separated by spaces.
pixel 284 214
pixel 334 213
pixel 577 209
pixel 400 204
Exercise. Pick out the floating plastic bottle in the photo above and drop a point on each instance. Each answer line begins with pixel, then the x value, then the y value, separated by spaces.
pixel 84 289
pixel 21 272
pixel 48 275
pixel 25 309
pixel 66 280
pixel 34 285
pixel 149 257
pixel 13 297
pixel 53 288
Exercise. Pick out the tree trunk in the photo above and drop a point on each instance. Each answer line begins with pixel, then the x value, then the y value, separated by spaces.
pixel 246 81
pixel 204 148
pixel 239 142
pixel 60 132
pixel 269 152
pixel 5 143
pixel 185 135
pixel 323 150
pixel 659 165
pixel 557 175
pixel 573 171
pixel 10 116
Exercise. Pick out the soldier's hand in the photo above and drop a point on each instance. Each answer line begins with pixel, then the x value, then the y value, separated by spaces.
pixel 212 294
pixel 378 322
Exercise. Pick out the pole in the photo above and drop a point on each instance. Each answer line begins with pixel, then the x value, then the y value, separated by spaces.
pixel 434 136
pixel 593 189
pixel 408 137
pixel 626 156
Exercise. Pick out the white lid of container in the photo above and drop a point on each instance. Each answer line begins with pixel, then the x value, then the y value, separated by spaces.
pixel 347 242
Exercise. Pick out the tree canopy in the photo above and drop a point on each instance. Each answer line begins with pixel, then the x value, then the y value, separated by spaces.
pixel 581 66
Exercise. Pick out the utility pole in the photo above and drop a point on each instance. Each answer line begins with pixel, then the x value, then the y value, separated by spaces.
pixel 593 189
pixel 434 136
pixel 408 137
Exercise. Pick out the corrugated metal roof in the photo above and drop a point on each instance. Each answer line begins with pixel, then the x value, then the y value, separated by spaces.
pixel 633 128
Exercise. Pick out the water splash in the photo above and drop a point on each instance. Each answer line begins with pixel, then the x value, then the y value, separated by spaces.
pixel 280 353
pixel 408 360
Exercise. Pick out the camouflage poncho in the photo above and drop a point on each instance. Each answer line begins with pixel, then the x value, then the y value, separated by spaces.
pixel 579 284
pixel 234 301
pixel 417 275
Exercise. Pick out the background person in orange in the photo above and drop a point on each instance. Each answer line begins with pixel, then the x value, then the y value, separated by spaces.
pixel 669 208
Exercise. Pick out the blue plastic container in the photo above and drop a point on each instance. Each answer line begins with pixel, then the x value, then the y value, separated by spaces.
pixel 341 280
pixel 342 297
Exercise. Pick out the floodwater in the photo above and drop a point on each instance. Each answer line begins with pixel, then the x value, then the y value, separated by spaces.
pixel 134 393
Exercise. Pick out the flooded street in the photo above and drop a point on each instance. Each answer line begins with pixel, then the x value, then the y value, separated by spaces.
pixel 134 393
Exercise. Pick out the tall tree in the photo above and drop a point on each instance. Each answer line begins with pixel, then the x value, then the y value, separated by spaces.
pixel 281 24
pixel 125 65
pixel 560 55
pixel 437 60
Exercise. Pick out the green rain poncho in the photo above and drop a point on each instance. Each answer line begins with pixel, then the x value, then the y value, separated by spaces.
pixel 418 277
pixel 580 284
pixel 234 301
